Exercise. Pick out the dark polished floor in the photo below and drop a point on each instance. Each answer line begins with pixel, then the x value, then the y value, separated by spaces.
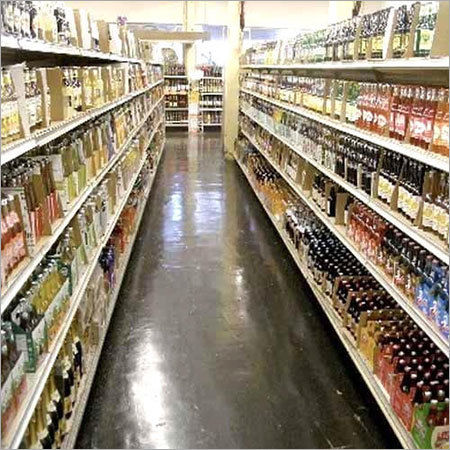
pixel 216 341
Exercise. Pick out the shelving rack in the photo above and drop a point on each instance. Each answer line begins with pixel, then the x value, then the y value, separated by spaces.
pixel 93 359
pixel 366 70
pixel 203 109
pixel 180 124
pixel 35 382
pixel 372 382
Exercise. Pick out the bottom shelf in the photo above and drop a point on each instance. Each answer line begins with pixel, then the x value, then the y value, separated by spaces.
pixel 93 359
pixel 376 388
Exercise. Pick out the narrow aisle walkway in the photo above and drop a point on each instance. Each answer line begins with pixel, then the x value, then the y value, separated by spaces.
pixel 215 341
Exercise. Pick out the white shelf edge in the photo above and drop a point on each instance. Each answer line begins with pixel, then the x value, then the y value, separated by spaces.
pixel 394 218
pixel 14 43
pixel 29 402
pixel 411 151
pixel 211 124
pixel 212 78
pixel 211 109
pixel 177 124
pixel 175 76
pixel 388 64
pixel 92 363
pixel 426 325
pixel 177 109
pixel 211 93
pixel 42 137
pixel 16 284
pixel 373 384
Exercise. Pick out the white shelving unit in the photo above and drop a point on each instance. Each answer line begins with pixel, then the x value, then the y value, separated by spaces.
pixel 92 359
pixel 176 109
pixel 45 245
pixel 339 231
pixel 42 137
pixel 411 151
pixel 175 76
pixel 211 93
pixel 36 381
pixel 429 242
pixel 371 380
pixel 27 45
pixel 210 109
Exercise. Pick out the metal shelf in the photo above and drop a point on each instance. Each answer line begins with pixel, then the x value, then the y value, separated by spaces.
pixel 382 65
pixel 211 124
pixel 33 46
pixel 371 380
pixel 36 382
pixel 340 232
pixel 177 124
pixel 175 76
pixel 92 362
pixel 426 240
pixel 210 109
pixel 42 137
pixel 176 109
pixel 211 93
pixel 411 151
pixel 22 276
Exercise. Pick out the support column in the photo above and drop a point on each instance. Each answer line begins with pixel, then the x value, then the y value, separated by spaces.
pixel 231 87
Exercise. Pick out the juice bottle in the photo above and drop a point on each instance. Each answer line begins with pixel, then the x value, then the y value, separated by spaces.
pixel 416 122
pixel 440 133
pixel 429 114
pixel 393 111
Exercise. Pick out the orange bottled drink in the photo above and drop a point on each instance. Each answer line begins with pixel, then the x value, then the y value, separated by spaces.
pixel 441 123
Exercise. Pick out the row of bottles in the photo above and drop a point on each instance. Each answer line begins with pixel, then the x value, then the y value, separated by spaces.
pixel 210 85
pixel 176 101
pixel 46 183
pixel 210 101
pixel 36 314
pixel 174 86
pixel 45 21
pixel 176 117
pixel 369 230
pixel 414 189
pixel 412 369
pixel 62 93
pixel 212 117
pixel 416 115
pixel 359 38
pixel 409 365
pixel 175 70
pixel 211 70
pixel 50 422
pixel 422 278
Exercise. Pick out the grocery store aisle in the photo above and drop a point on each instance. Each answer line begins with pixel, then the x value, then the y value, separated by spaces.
pixel 215 340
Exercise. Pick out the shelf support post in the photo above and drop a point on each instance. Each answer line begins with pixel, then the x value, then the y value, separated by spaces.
pixel 231 81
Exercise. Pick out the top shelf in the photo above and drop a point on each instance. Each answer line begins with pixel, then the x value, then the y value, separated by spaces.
pixel 29 48
pixel 382 65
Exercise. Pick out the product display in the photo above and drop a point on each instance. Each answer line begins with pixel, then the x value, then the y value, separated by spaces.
pixel 57 23
pixel 297 256
pixel 354 176
pixel 360 38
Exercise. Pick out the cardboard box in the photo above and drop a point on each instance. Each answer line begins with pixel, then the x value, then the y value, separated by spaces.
pixel 61 102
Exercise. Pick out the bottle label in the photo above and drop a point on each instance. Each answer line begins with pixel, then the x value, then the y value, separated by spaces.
pixel 427 217
pixel 443 223
pixel 435 220
pixel 400 124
